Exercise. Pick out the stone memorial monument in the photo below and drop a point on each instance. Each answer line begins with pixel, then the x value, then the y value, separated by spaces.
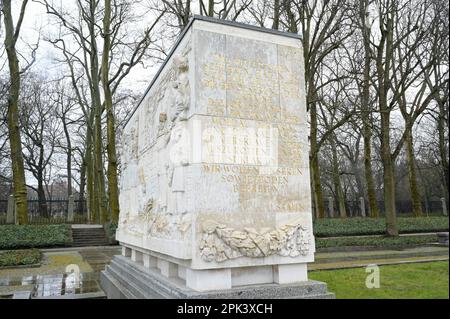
pixel 214 188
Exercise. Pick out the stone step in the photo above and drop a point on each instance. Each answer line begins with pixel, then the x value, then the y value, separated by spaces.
pixel 89 233
pixel 150 288
pixel 102 233
pixel 146 283
pixel 90 237
pixel 98 242
pixel 109 283
pixel 82 244
pixel 101 241
pixel 83 237
pixel 137 279
pixel 130 285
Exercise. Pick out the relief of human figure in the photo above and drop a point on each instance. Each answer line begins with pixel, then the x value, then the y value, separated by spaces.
pixel 179 92
pixel 163 182
pixel 179 159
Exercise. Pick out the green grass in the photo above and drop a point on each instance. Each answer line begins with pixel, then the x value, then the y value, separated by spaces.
pixel 328 227
pixel 33 236
pixel 375 241
pixel 408 281
pixel 20 257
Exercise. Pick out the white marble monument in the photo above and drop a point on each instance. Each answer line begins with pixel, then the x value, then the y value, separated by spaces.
pixel 214 187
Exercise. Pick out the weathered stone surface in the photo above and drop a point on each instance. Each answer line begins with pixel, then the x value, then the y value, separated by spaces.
pixel 215 170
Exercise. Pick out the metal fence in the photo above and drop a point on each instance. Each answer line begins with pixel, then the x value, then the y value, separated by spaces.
pixel 57 212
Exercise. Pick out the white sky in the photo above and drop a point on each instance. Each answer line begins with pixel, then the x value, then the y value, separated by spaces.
pixel 37 20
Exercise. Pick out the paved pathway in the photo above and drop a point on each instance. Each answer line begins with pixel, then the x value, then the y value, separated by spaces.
pixel 361 258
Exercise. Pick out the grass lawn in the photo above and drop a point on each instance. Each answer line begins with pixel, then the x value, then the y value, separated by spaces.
pixel 408 281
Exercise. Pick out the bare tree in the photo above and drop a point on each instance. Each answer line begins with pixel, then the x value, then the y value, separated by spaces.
pixel 11 35
pixel 40 133
pixel 106 68
pixel 321 24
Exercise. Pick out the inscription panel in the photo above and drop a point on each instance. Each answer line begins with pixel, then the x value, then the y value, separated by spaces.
pixel 251 168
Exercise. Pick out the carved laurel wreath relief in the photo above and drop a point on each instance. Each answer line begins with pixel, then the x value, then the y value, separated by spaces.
pixel 220 243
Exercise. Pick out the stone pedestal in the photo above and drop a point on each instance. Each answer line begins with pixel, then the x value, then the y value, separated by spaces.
pixel 214 192
pixel 124 279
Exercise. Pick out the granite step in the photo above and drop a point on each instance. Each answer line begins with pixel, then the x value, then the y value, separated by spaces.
pixel 150 288
pixel 82 237
pixel 140 281
pixel 146 283
pixel 130 285
pixel 109 283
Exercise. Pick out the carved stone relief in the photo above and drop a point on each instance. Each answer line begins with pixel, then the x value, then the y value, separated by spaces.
pixel 220 243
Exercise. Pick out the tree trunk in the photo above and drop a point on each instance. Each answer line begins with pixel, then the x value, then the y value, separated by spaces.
pixel 365 115
pixel 443 151
pixel 99 177
pixel 314 164
pixel 388 171
pixel 98 168
pixel 371 194
pixel 211 8
pixel 92 199
pixel 113 190
pixel 80 208
pixel 276 15
pixel 358 179
pixel 20 190
pixel 42 201
pixel 415 194
pixel 337 180
pixel 69 157
pixel 383 66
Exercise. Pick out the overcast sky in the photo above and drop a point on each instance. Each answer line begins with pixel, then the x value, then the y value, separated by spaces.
pixel 38 21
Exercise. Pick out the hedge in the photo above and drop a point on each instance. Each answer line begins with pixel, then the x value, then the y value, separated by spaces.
pixel 20 257
pixel 375 241
pixel 328 227
pixel 34 236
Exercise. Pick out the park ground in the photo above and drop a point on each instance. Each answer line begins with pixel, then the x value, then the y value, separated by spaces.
pixel 413 265
pixel 426 280
pixel 407 277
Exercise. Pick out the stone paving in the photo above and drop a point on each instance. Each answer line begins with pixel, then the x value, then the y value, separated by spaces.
pixel 362 258
pixel 51 279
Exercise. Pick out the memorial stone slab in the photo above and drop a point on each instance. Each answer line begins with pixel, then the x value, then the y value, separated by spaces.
pixel 214 186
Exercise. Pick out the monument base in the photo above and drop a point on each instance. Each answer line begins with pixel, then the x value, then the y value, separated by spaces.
pixel 127 279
